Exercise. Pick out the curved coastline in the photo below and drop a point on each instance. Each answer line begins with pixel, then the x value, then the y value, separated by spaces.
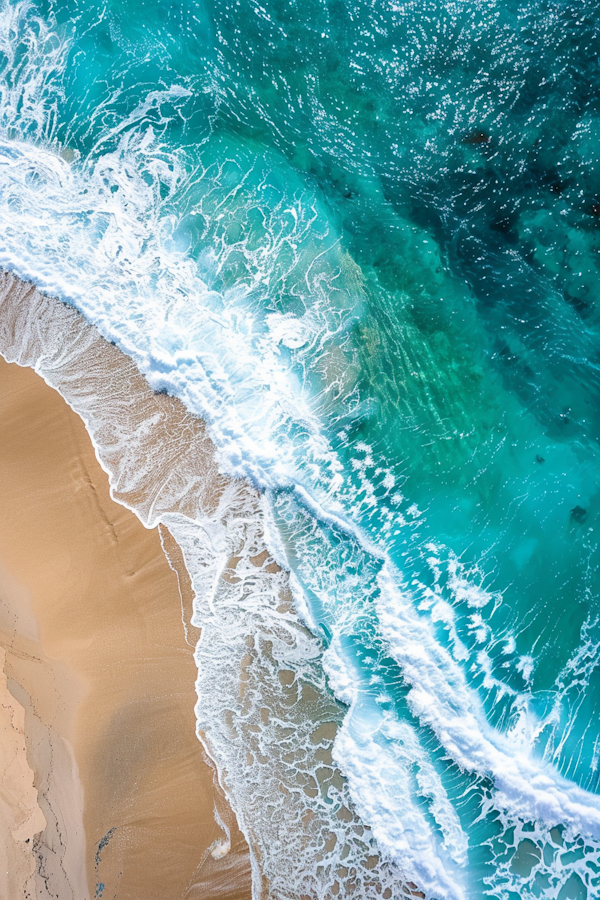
pixel 265 713
pixel 109 792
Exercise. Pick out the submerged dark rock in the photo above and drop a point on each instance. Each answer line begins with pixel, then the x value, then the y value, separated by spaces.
pixel 479 136
pixel 579 304
pixel 593 209
pixel 557 187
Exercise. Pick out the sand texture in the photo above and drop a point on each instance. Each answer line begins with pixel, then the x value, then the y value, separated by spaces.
pixel 21 817
pixel 113 788
pixel 264 712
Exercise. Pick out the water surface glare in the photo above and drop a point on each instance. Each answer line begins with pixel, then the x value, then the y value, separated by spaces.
pixel 361 240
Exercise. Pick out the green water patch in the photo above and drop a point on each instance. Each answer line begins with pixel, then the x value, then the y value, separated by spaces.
pixel 401 202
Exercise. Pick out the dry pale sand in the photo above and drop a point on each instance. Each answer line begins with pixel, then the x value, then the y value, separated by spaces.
pixel 21 817
pixel 97 680
pixel 105 789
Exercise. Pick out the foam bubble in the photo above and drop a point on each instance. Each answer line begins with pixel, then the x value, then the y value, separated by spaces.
pixel 265 357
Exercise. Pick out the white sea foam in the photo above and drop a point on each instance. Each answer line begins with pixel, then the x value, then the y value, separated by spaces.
pixel 389 775
pixel 264 712
pixel 393 782
pixel 442 699
pixel 95 233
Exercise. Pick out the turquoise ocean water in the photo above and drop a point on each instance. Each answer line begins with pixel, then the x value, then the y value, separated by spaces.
pixel 362 240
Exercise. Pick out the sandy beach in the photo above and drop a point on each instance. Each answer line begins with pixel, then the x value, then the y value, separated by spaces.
pixel 108 607
pixel 106 789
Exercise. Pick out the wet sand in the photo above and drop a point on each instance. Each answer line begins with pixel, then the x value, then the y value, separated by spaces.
pixel 112 795
pixel 162 463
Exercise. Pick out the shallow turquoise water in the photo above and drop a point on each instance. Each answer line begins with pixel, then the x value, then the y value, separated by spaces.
pixel 394 212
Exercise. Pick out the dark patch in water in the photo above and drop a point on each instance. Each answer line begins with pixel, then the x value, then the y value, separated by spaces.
pixel 593 209
pixel 504 224
pixel 557 187
pixel 581 306
pixel 565 417
pixel 476 137
pixel 578 514
pixel 539 459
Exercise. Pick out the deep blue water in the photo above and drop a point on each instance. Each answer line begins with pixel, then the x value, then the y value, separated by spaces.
pixel 362 240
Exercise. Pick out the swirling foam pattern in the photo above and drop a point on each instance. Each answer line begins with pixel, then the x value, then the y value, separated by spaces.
pixel 361 241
